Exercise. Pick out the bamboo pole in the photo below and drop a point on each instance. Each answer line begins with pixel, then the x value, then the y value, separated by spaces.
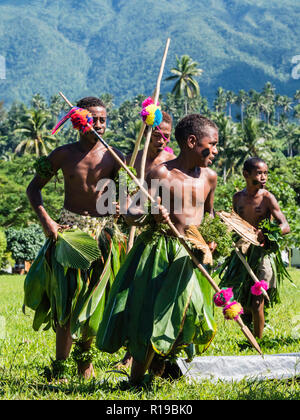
pixel 250 271
pixel 155 99
pixel 148 137
pixel 177 234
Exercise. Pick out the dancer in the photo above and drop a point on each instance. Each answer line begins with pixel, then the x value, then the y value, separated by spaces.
pixel 157 152
pixel 159 301
pixel 255 204
pixel 62 297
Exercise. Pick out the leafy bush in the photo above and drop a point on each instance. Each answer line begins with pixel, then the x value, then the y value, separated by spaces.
pixel 3 245
pixel 25 243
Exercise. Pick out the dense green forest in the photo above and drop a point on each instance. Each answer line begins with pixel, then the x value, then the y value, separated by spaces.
pixel 116 46
pixel 264 124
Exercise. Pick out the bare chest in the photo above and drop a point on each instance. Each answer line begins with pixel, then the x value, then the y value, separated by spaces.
pixel 253 210
pixel 88 169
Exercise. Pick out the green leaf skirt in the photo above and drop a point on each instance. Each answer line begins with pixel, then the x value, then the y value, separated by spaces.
pixel 59 295
pixel 158 299
pixel 234 274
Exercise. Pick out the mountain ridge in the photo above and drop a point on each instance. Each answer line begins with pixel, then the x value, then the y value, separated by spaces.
pixel 116 46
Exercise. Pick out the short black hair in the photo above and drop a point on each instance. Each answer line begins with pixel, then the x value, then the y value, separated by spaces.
pixel 195 124
pixel 89 101
pixel 251 163
pixel 166 117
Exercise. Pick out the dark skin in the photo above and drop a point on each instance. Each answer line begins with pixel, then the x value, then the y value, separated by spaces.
pixel 254 204
pixel 83 164
pixel 156 153
pixel 155 156
pixel 190 168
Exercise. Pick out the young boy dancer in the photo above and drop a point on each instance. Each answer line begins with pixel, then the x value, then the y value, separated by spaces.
pixel 58 296
pixel 156 152
pixel 254 204
pixel 159 301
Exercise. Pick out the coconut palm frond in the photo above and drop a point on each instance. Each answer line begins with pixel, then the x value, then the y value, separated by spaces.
pixel 76 249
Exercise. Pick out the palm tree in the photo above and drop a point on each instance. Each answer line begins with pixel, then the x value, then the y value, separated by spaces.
pixel 268 95
pixel 231 99
pixel 36 138
pixel 228 147
pixel 220 101
pixel 297 96
pixel 242 100
pixel 184 74
pixel 39 102
pixel 252 135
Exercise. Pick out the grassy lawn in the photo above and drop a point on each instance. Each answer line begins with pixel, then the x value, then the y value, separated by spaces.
pixel 24 353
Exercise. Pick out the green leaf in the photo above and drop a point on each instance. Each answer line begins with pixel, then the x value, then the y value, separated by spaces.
pixel 76 249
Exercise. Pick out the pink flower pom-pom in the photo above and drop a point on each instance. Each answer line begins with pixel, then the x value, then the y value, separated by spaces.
pixel 144 113
pixel 233 310
pixel 256 288
pixel 148 101
pixel 223 296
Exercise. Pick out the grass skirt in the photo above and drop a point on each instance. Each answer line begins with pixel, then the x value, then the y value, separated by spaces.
pixel 234 274
pixel 158 299
pixel 60 295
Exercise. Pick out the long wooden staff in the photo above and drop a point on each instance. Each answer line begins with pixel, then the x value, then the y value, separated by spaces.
pixel 250 271
pixel 181 238
pixel 238 252
pixel 155 97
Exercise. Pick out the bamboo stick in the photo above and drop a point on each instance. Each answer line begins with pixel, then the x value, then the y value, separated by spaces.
pixel 155 99
pixel 148 137
pixel 177 234
pixel 250 271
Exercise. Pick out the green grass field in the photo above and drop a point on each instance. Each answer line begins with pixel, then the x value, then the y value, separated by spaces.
pixel 24 353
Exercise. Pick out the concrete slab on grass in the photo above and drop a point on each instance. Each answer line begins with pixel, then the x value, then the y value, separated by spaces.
pixel 237 368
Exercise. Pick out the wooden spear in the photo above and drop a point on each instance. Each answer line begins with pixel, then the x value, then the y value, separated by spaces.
pixel 155 97
pixel 231 226
pixel 181 238
pixel 250 271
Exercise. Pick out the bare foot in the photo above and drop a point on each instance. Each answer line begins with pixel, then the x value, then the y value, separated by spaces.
pixel 157 366
pixel 86 370
pixel 126 362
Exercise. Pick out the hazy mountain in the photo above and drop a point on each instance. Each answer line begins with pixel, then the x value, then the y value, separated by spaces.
pixel 116 46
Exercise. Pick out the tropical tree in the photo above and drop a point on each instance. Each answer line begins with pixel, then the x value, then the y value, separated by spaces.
pixel 221 101
pixel 252 136
pixel 34 130
pixel 39 102
pixel 285 104
pixel 242 99
pixel 231 98
pixel 228 145
pixel 184 75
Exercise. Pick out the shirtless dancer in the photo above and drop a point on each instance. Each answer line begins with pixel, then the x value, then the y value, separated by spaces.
pixel 254 204
pixel 191 184
pixel 83 164
pixel 156 151
pixel 156 155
